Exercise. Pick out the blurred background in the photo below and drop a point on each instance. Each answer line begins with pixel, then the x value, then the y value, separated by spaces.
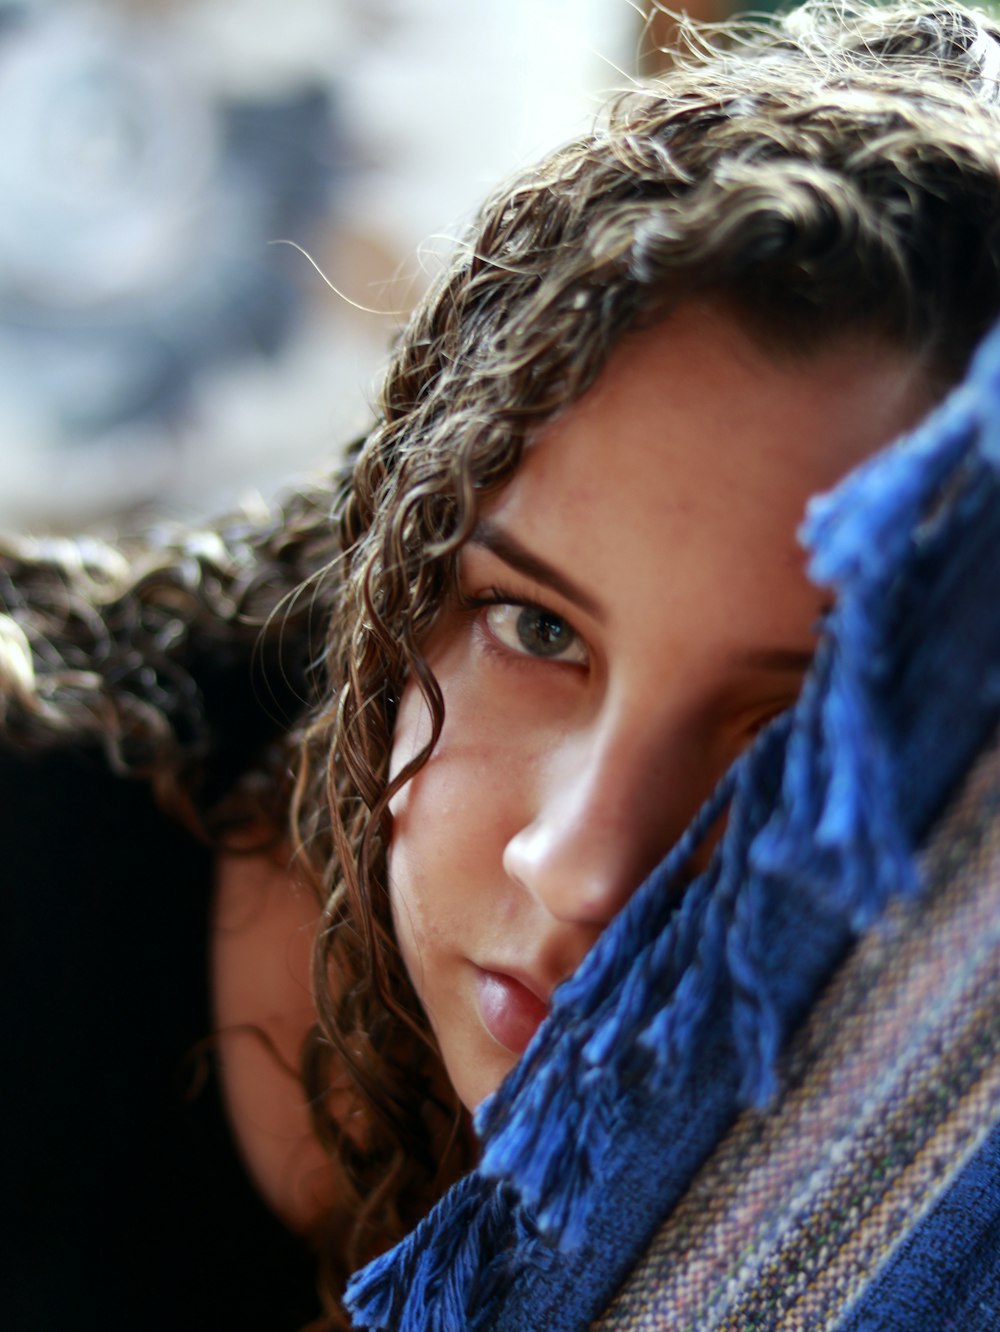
pixel 216 213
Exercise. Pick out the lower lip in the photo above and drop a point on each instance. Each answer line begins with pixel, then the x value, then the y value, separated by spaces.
pixel 510 1012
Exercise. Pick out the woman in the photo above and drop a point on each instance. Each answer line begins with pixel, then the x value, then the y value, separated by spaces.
pixel 567 592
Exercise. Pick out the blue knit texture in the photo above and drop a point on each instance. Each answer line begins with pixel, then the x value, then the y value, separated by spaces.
pixel 818 840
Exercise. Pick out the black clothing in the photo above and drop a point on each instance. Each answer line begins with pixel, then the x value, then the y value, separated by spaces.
pixel 130 1207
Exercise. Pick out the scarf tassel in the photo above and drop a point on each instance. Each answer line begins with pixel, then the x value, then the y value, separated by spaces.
pixel 811 812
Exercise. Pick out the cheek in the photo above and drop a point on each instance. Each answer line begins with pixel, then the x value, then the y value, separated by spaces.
pixel 412 731
pixel 407 849
pixel 430 816
pixel 449 828
pixel 453 819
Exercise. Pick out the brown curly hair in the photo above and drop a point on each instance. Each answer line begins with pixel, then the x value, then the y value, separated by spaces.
pixel 838 170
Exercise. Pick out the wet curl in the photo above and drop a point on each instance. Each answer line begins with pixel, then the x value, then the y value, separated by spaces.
pixel 834 174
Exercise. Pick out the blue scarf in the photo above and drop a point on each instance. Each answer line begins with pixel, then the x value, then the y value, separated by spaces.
pixel 676 1020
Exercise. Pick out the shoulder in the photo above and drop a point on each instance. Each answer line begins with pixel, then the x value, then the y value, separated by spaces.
pixel 264 925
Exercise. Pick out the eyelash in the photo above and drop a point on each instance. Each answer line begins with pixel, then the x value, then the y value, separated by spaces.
pixel 767 716
pixel 498 596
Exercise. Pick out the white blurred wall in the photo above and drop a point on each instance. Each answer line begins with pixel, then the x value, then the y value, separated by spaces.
pixel 434 101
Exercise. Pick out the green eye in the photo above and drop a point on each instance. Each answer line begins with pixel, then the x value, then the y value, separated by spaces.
pixel 535 632
pixel 542 633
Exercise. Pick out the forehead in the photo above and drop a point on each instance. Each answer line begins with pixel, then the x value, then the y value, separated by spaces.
pixel 692 456
pixel 692 409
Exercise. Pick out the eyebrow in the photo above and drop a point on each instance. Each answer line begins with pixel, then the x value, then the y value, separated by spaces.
pixel 787 661
pixel 511 551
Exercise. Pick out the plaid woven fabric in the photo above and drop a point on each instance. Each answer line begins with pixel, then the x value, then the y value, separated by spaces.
pixel 866 1197
pixel 888 1089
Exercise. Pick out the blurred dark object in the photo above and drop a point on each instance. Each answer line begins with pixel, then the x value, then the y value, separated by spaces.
pixel 138 207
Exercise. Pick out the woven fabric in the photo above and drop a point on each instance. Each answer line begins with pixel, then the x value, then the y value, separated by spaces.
pixel 845 1194
pixel 889 1088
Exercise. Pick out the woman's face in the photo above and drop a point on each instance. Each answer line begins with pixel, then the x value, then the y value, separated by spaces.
pixel 636 610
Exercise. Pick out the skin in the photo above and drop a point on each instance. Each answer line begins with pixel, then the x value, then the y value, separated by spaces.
pixel 676 620
pixel 264 923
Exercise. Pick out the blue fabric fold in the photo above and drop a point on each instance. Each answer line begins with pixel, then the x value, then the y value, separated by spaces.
pixel 675 1019
pixel 948 1275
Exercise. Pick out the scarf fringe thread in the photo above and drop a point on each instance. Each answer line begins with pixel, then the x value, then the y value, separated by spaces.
pixel 811 810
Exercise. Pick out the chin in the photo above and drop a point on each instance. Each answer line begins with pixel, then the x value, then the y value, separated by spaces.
pixel 475 1080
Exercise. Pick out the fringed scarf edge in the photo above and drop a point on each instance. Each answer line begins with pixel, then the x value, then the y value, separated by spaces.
pixel 811 809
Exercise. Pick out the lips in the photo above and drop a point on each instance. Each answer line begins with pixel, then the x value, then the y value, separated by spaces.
pixel 510 1012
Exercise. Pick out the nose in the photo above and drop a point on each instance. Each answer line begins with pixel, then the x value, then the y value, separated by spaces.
pixel 604 814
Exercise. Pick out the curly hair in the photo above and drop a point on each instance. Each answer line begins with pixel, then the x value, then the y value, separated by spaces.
pixel 835 172
pixel 167 653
